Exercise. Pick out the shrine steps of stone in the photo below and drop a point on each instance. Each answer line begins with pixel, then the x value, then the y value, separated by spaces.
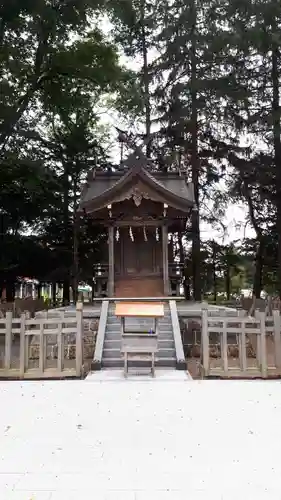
pixel 108 345
pixel 112 357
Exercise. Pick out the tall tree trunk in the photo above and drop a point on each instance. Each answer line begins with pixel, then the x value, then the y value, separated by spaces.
pixel 277 148
pixel 215 288
pixel 10 290
pixel 258 277
pixel 2 31
pixel 195 220
pixel 227 282
pixel 146 90
pixel 54 294
pixel 75 243
pixel 67 243
pixel 66 291
pixel 259 259
pixel 186 287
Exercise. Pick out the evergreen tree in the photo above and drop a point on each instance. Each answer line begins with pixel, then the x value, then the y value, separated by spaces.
pixel 55 68
pixel 254 30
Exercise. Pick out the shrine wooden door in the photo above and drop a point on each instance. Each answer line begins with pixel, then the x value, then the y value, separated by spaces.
pixel 138 253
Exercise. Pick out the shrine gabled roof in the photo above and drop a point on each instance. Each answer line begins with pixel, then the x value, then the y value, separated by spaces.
pixel 103 187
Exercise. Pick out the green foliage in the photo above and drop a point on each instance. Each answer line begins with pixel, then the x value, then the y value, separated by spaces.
pixel 55 69
pixel 205 76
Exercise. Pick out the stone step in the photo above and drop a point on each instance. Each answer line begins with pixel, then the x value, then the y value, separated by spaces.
pixel 135 321
pixel 164 326
pixel 161 353
pixel 114 321
pixel 112 357
pixel 166 331
pixel 116 343
pixel 117 331
pixel 115 335
pixel 119 363
pixel 111 324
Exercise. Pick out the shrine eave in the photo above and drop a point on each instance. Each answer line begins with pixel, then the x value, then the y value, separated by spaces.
pixel 104 188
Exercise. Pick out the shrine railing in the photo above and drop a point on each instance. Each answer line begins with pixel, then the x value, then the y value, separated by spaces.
pixel 175 270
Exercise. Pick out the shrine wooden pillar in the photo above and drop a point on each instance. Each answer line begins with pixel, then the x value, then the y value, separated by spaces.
pixel 165 260
pixel 110 261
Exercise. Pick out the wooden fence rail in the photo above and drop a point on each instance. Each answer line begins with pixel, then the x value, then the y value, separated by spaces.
pixel 25 329
pixel 258 342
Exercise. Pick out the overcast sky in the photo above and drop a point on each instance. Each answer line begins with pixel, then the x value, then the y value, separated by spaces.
pixel 234 221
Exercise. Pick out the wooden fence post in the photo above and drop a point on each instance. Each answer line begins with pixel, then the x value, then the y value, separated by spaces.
pixel 224 350
pixel 79 338
pixel 60 343
pixel 42 350
pixel 277 338
pixel 8 339
pixel 263 345
pixel 23 361
pixel 205 342
pixel 258 340
pixel 243 347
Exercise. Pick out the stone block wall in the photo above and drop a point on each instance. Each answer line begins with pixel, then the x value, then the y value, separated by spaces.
pixel 89 340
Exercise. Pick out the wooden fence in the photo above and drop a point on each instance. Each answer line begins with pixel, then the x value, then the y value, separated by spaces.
pixel 241 346
pixel 17 335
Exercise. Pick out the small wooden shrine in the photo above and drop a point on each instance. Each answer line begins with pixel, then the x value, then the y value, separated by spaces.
pixel 141 207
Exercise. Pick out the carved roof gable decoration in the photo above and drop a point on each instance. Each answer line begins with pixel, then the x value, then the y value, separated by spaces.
pixel 137 180
pixel 137 195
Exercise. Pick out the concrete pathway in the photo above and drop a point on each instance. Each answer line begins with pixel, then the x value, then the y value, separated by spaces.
pixel 171 438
